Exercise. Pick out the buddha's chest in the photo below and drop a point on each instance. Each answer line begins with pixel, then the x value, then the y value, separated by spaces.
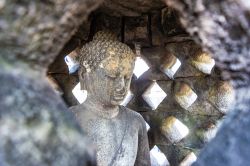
pixel 116 141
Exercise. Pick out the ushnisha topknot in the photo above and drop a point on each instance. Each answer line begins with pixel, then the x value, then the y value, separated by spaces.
pixel 103 44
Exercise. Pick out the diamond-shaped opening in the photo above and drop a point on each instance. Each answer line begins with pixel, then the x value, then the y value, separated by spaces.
pixel 174 129
pixel 154 95
pixel 140 67
pixel 157 157
pixel 80 95
pixel 147 126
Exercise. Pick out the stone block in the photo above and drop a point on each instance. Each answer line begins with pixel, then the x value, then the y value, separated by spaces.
pixel 174 129
pixel 170 65
pixel 140 67
pixel 184 95
pixel 136 30
pixel 222 96
pixel 188 160
pixel 203 62
pixel 107 22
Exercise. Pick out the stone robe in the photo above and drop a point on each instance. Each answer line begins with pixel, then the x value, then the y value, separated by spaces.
pixel 119 141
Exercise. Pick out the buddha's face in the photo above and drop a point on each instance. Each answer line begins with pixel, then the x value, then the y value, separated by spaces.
pixel 110 81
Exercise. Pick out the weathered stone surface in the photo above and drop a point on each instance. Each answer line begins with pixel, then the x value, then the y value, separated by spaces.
pixel 35 126
pixel 156 32
pixel 170 22
pixel 136 30
pixel 103 21
pixel 37 31
pixel 130 7
pixel 214 24
pixel 231 144
pixel 215 27
pixel 198 117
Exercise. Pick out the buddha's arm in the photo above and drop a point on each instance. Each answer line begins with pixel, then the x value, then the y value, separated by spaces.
pixel 143 157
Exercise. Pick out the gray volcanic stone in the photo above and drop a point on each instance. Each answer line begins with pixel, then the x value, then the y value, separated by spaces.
pixel 36 128
pixel 130 7
pixel 36 31
pixel 214 24
pixel 231 145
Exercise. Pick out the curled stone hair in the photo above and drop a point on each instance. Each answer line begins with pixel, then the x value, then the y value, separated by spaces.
pixel 94 52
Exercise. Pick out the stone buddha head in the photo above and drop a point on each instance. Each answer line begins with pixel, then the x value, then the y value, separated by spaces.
pixel 106 68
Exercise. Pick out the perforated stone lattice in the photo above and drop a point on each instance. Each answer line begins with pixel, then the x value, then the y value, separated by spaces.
pixel 184 94
pixel 189 90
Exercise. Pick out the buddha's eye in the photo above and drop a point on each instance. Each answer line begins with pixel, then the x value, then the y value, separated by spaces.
pixel 111 76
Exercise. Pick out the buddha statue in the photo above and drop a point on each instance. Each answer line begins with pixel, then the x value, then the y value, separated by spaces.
pixel 118 133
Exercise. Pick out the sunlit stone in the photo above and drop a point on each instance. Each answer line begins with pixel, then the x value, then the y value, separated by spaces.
pixel 184 95
pixel 210 133
pixel 188 160
pixel 140 67
pixel 174 129
pixel 203 62
pixel 127 99
pixel 222 95
pixel 170 65
pixel 154 95
pixel 72 64
pixel 80 95
pixel 157 157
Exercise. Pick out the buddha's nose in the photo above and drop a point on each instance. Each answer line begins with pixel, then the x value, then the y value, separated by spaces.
pixel 120 83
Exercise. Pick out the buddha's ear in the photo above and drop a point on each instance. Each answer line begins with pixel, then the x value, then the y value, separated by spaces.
pixel 82 77
pixel 81 73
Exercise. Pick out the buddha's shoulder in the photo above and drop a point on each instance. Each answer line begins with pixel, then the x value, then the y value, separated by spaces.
pixel 77 109
pixel 133 115
pixel 81 113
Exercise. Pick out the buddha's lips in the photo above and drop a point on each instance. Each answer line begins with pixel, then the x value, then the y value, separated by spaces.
pixel 119 95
